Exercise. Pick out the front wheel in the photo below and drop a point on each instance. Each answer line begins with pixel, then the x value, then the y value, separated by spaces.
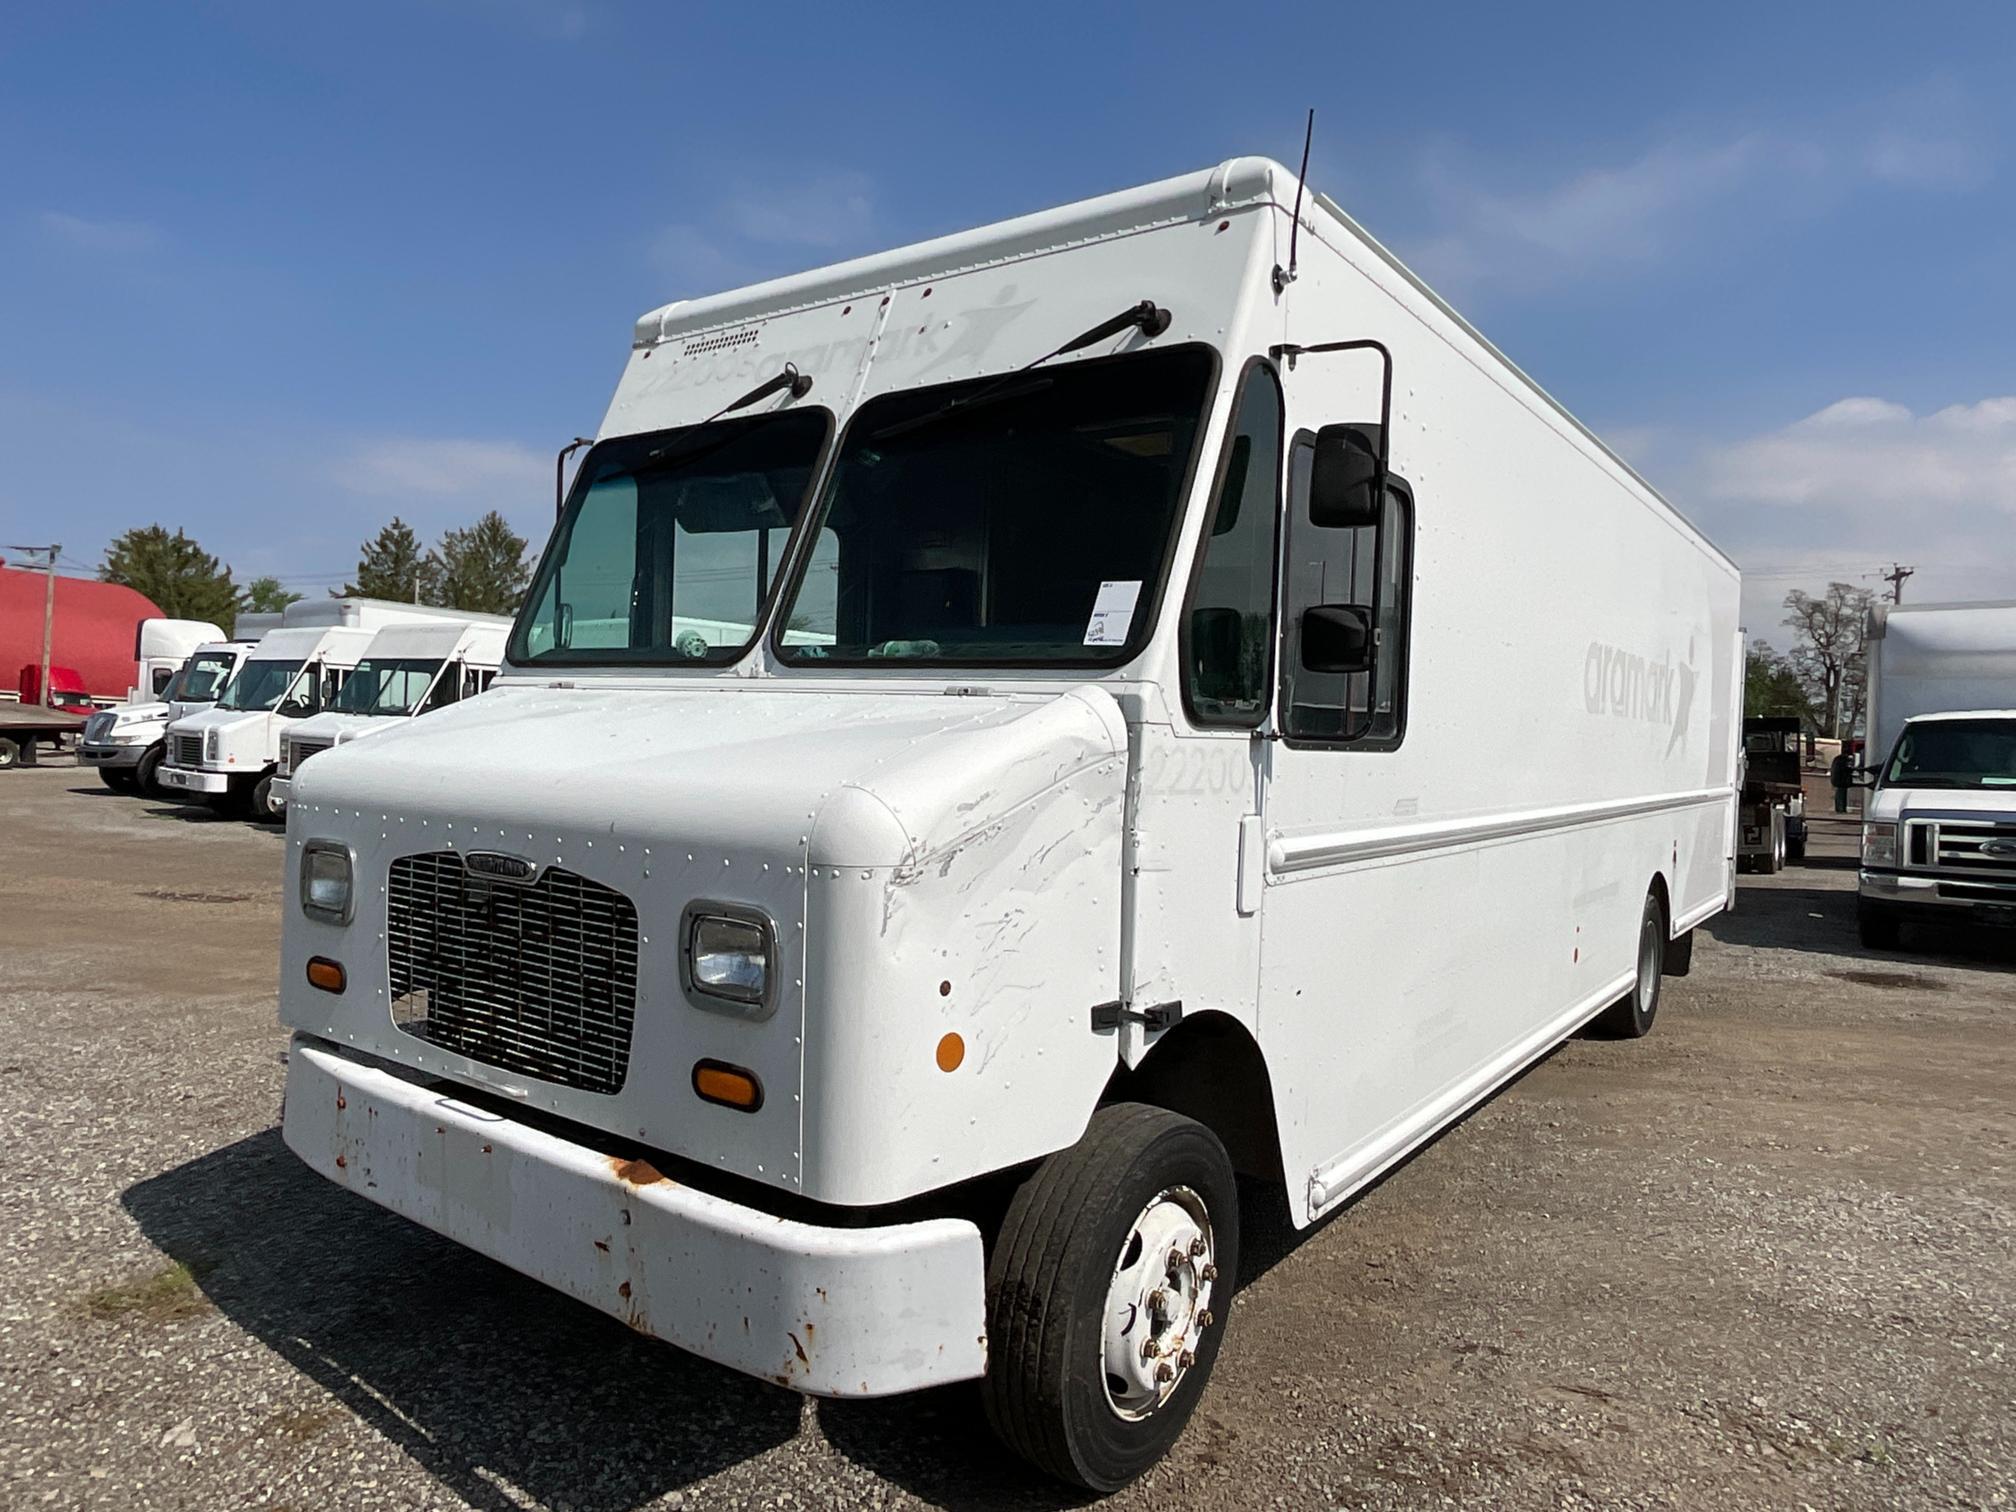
pixel 263 805
pixel 119 779
pixel 1106 1295
pixel 1878 926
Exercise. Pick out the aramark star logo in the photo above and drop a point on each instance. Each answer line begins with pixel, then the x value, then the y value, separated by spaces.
pixel 1683 702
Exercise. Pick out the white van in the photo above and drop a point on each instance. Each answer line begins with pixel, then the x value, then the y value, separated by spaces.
pixel 406 671
pixel 127 744
pixel 1188 704
pixel 1939 831
pixel 226 754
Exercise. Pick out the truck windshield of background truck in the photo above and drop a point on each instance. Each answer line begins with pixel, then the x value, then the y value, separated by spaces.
pixel 671 543
pixel 201 678
pixel 1955 753
pixel 259 685
pixel 387 686
pixel 1032 528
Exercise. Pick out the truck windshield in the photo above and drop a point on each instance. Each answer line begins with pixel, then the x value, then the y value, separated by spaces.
pixel 1028 527
pixel 386 686
pixel 671 542
pixel 201 677
pixel 259 684
pixel 1955 753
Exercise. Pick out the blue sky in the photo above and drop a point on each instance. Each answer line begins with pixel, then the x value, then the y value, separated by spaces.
pixel 276 272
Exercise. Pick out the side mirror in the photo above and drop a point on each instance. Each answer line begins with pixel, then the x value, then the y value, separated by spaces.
pixel 1864 776
pixel 1347 481
pixel 1337 638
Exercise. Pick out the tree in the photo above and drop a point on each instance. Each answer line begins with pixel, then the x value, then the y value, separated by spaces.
pixel 393 567
pixel 483 568
pixel 1829 635
pixel 183 579
pixel 1770 686
pixel 264 595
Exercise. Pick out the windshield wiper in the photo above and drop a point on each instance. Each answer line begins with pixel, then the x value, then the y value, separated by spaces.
pixel 1147 317
pixel 800 384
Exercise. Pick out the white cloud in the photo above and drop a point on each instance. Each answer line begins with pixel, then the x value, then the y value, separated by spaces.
pixel 97 235
pixel 1865 449
pixel 443 467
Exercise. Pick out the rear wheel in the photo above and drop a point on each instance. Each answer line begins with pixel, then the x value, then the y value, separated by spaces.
pixel 1106 1293
pixel 10 753
pixel 1878 925
pixel 1630 1017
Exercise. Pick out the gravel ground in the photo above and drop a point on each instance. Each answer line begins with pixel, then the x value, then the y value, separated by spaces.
pixel 1761 1259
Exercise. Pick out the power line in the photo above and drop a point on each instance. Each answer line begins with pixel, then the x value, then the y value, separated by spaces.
pixel 1895 578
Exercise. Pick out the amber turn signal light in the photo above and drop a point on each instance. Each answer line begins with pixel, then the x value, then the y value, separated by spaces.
pixel 325 973
pixel 730 1086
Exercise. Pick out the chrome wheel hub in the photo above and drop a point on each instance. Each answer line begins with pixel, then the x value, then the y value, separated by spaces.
pixel 1159 1302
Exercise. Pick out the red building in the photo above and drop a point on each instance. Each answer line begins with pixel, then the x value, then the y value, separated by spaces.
pixel 96 627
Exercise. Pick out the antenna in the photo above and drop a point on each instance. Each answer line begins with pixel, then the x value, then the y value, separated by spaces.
pixel 1285 276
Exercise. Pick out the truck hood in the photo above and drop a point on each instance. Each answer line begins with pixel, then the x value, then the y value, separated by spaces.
pixel 843 778
pixel 334 727
pixel 1890 804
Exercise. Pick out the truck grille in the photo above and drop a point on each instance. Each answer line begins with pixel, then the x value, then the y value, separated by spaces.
pixel 536 977
pixel 1979 847
pixel 294 752
pixel 188 751
pixel 98 727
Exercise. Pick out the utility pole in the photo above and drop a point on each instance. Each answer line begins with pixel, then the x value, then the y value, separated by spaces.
pixel 49 554
pixel 1895 578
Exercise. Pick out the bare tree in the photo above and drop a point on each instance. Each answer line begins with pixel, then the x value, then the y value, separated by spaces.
pixel 1829 633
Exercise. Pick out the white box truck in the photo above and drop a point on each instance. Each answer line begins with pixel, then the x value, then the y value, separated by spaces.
pixel 1939 830
pixel 1178 701
pixel 406 671
pixel 225 755
pixel 127 744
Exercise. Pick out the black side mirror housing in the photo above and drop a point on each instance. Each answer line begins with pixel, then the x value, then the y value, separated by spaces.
pixel 1347 480
pixel 1337 638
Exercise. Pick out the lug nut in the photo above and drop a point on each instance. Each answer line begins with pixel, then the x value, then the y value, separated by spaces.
pixel 1176 1259
pixel 1204 1318
pixel 1198 1246
pixel 1165 1372
pixel 1187 1358
pixel 1210 1272
pixel 1150 1349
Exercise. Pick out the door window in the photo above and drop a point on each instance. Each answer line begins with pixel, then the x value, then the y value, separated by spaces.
pixel 1369 566
pixel 1227 625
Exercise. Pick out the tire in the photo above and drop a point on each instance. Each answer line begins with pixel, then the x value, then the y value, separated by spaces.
pixel 235 802
pixel 1630 1017
pixel 1066 1388
pixel 10 753
pixel 1795 848
pixel 147 775
pixel 259 804
pixel 1879 926
pixel 119 779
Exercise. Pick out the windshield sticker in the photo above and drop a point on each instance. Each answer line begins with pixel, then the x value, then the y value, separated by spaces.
pixel 1112 613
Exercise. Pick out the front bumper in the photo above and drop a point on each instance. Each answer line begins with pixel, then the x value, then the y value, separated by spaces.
pixel 1940 898
pixel 111 755
pixel 278 789
pixel 828 1311
pixel 195 780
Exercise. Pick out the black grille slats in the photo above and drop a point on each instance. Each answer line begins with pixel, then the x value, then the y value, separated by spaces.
pixel 188 751
pixel 537 977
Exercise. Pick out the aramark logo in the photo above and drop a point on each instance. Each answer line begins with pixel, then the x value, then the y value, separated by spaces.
pixel 1625 685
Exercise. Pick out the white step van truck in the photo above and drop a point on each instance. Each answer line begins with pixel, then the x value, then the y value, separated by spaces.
pixel 406 671
pixel 128 743
pixel 225 755
pixel 1939 831
pixel 1192 705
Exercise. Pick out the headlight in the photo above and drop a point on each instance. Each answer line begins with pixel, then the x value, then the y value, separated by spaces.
pixel 210 745
pixel 325 881
pixel 726 955
pixel 1879 845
